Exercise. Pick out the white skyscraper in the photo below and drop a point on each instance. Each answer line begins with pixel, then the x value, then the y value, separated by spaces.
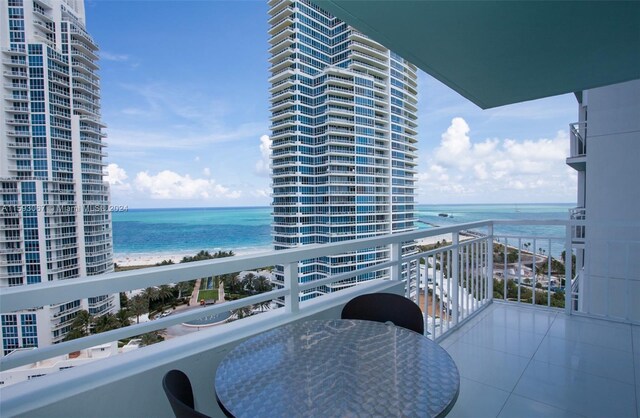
pixel 54 222
pixel 344 137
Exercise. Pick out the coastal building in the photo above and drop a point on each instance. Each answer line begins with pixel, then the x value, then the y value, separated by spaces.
pixel 514 358
pixel 608 200
pixel 344 134
pixel 54 222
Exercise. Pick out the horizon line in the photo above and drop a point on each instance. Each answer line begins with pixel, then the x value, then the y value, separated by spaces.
pixel 417 204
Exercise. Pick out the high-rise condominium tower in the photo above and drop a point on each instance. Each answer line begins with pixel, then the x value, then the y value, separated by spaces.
pixel 54 219
pixel 343 139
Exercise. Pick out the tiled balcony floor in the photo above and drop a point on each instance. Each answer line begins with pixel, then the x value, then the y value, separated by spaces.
pixel 519 361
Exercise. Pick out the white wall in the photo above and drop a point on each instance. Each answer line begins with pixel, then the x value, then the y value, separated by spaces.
pixel 613 202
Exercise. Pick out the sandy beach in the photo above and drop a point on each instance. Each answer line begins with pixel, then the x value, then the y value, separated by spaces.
pixel 150 259
pixel 434 239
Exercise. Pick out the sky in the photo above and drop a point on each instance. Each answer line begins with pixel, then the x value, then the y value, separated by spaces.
pixel 185 97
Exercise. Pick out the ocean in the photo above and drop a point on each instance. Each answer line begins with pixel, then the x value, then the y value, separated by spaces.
pixel 248 229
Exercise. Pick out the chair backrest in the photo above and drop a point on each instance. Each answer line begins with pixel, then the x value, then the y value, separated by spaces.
pixel 177 387
pixel 385 307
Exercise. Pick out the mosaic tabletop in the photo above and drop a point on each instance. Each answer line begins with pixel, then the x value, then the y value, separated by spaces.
pixel 337 368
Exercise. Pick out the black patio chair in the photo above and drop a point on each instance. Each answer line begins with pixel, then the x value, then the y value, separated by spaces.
pixel 177 387
pixel 385 307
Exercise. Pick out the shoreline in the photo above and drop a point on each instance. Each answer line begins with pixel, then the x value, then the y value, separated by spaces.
pixel 152 258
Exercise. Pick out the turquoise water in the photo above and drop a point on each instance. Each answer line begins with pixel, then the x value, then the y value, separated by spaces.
pixel 169 231
pixel 248 229
pixel 473 213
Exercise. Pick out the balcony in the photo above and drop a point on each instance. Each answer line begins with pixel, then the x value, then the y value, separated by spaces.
pixel 492 309
pixel 578 146
pixel 578 230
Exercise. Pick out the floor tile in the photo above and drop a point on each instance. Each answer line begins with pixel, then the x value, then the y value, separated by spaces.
pixel 520 342
pixel 491 367
pixel 576 391
pixel 521 407
pixel 601 333
pixel 534 320
pixel 605 362
pixel 477 400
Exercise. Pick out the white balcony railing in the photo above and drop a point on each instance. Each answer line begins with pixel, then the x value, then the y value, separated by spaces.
pixel 577 139
pixel 451 283
pixel 578 230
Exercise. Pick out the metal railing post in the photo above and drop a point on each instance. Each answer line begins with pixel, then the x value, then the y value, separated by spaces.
pixel 455 268
pixel 292 299
pixel 396 258
pixel 490 264
pixel 568 258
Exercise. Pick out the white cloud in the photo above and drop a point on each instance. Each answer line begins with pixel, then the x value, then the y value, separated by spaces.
pixel 107 56
pixel 168 185
pixel 262 165
pixel 115 175
pixel 206 172
pixel 455 143
pixel 496 170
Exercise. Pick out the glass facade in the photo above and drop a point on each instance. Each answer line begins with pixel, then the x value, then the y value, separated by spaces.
pixel 55 219
pixel 343 140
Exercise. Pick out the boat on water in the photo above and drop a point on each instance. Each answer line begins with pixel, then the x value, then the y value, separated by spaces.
pixel 445 215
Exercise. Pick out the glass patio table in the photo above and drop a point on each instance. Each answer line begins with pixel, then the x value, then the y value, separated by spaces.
pixel 337 368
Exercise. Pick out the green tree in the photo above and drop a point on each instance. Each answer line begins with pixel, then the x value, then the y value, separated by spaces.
pixel 183 287
pixel 151 294
pixel 139 306
pixel 105 322
pixel 164 292
pixel 80 326
pixel 262 284
pixel 263 305
pixel 573 260
pixel 205 255
pixel 123 318
pixel 243 312
pixel 124 300
pixel 247 282
pixel 150 338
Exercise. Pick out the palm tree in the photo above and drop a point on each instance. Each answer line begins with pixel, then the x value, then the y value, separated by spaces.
pixel 164 292
pixel 139 306
pixel 264 304
pixel 242 312
pixel 79 326
pixel 151 338
pixel 151 294
pixel 105 322
pixel 231 282
pixel 182 287
pixel 262 284
pixel 123 318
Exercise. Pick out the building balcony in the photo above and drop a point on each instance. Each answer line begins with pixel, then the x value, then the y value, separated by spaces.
pixel 578 146
pixel 521 344
pixel 282 24
pixel 578 230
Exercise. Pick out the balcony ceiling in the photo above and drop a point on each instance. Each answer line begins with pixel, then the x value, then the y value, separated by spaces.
pixel 503 52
